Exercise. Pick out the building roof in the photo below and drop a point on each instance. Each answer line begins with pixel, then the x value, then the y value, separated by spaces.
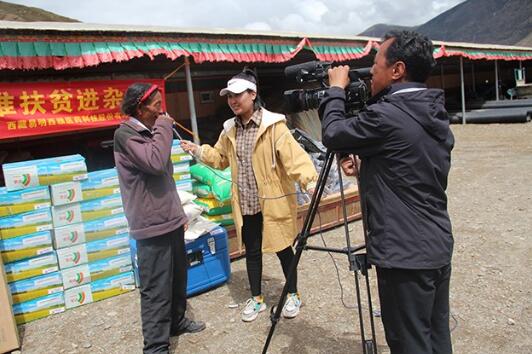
pixel 58 45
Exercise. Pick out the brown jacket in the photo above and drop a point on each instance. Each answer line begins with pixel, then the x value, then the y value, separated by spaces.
pixel 278 161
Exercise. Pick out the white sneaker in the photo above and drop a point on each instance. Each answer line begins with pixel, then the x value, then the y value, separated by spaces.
pixel 253 307
pixel 292 305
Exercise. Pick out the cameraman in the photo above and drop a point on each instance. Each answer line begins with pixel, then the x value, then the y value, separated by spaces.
pixel 404 143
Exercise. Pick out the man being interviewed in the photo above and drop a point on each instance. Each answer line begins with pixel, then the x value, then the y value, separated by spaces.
pixel 142 148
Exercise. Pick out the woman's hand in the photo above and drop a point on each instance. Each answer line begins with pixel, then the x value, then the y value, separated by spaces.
pixel 189 147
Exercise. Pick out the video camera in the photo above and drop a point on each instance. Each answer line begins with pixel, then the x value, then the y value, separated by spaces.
pixel 356 92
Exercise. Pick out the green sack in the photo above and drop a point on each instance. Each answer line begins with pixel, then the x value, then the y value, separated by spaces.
pixel 202 190
pixel 219 181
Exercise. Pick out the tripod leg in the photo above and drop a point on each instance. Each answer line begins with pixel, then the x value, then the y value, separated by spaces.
pixel 301 242
pixel 368 346
pixel 372 322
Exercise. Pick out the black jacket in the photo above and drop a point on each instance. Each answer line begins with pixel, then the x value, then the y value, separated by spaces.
pixel 404 142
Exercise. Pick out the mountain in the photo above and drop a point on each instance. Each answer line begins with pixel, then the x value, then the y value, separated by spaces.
pixel 380 29
pixel 15 12
pixel 481 21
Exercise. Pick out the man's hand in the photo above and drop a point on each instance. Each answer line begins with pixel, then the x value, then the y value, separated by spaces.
pixel 189 147
pixel 348 165
pixel 339 76
pixel 166 116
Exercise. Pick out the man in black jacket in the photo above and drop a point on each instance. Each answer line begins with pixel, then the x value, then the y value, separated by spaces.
pixel 404 143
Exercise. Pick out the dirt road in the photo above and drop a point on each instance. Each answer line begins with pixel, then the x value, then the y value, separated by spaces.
pixel 490 202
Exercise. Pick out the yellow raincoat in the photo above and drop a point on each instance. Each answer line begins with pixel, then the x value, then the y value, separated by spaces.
pixel 278 161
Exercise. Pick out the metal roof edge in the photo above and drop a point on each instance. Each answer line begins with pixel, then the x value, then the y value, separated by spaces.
pixel 166 30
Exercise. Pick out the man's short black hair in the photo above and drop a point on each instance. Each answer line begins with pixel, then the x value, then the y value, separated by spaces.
pixel 415 50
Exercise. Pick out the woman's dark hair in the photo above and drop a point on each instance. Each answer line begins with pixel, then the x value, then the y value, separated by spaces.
pixel 134 93
pixel 415 50
pixel 250 75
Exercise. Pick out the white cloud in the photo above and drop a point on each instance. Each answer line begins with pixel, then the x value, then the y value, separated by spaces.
pixel 340 17
pixel 313 10
pixel 258 26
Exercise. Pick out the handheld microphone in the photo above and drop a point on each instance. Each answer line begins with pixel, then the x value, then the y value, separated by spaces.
pixel 174 130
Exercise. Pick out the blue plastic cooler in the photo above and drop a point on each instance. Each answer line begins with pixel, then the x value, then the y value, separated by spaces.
pixel 208 258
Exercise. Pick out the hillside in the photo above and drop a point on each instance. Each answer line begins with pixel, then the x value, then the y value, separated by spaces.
pixel 380 29
pixel 479 21
pixel 495 21
pixel 15 12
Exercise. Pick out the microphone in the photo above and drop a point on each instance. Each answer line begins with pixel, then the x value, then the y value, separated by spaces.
pixel 176 134
pixel 174 125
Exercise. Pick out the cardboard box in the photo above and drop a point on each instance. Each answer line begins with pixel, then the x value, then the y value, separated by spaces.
pixel 178 155
pixel 184 185
pixel 25 200
pixel 183 167
pixel 69 235
pixel 89 252
pixel 33 288
pixel 25 223
pixel 182 171
pixel 72 256
pixel 107 267
pixel 29 268
pixel 105 227
pixel 100 184
pixel 179 158
pixel 78 296
pixel 39 308
pixel 76 276
pixel 68 214
pixel 26 246
pixel 99 290
pixel 26 174
pixel 102 207
pixel 9 339
pixel 66 193
pixel 114 242
pixel 87 210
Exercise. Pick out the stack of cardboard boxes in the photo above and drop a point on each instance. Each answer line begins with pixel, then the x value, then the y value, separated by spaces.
pixel 63 236
pixel 181 161
pixel 91 238
pixel 31 264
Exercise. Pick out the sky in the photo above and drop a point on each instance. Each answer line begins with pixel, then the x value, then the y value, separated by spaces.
pixel 324 17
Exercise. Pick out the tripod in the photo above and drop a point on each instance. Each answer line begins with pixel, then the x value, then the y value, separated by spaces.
pixel 357 260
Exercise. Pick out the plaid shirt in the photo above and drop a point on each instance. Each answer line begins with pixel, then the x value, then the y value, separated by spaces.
pixel 245 143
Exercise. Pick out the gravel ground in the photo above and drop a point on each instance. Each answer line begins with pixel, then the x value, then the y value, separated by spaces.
pixel 490 201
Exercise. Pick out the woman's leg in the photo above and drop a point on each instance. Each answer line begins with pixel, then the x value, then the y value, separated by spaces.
pixel 252 238
pixel 286 257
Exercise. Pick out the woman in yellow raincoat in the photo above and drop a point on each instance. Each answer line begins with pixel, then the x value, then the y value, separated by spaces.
pixel 265 162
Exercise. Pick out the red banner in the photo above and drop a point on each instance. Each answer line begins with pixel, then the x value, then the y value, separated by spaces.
pixel 29 109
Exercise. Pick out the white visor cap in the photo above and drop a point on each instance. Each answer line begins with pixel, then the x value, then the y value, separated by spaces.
pixel 238 86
